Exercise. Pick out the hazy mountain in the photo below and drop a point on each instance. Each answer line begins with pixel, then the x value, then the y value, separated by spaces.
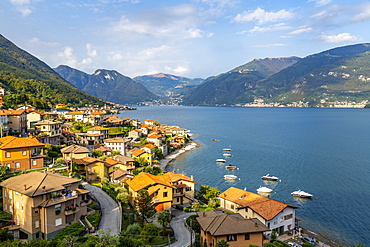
pixel 108 85
pixel 235 86
pixel 165 84
pixel 31 81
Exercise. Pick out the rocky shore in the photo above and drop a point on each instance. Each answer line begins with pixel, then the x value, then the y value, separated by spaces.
pixel 172 156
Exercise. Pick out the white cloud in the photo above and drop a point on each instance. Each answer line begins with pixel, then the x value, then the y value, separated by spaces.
pixel 276 27
pixel 364 14
pixel 90 51
pixel 154 52
pixel 340 38
pixel 302 30
pixel 23 6
pixel 114 57
pixel 37 42
pixel 261 16
pixel 67 57
pixel 320 2
pixel 270 45
pixel 87 61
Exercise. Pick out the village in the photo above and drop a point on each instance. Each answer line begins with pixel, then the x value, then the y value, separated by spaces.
pixel 49 160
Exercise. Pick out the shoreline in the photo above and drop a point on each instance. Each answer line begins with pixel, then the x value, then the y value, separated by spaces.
pixel 172 156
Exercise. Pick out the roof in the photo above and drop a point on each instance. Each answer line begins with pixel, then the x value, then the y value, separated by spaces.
pixel 75 113
pixel 97 113
pixel 117 174
pixel 144 180
pixel 37 183
pixel 172 177
pixel 12 112
pixel 97 128
pixel 117 139
pixel 137 152
pixel 149 146
pixel 266 207
pixel 48 122
pixel 17 142
pixel 154 136
pixel 123 158
pixel 75 149
pixel 90 160
pixel 112 162
pixel 219 224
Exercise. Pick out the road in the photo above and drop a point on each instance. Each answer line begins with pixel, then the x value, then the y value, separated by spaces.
pixel 111 216
pixel 182 234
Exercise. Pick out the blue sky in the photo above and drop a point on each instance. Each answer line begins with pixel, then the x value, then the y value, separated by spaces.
pixel 193 38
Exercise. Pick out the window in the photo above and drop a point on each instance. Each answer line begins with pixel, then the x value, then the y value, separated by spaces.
pixel 22 207
pixel 24 152
pixel 10 209
pixel 188 188
pixel 7 154
pixel 232 206
pixel 287 217
pixel 58 222
pixel 165 194
pixel 34 162
pixel 247 236
pixel 8 165
pixel 37 224
pixel 231 238
pixel 17 165
pixel 10 195
pixel 36 211
pixel 17 205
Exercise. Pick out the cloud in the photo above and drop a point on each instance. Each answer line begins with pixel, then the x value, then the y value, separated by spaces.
pixel 67 57
pixel 364 14
pixel 320 2
pixel 261 16
pixel 276 27
pixel 269 45
pixel 114 57
pixel 302 30
pixel 23 6
pixel 90 51
pixel 340 38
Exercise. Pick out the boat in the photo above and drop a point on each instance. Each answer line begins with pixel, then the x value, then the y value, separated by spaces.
pixel 226 149
pixel 230 177
pixel 270 178
pixel 221 160
pixel 215 140
pixel 227 155
pixel 301 193
pixel 230 167
pixel 263 189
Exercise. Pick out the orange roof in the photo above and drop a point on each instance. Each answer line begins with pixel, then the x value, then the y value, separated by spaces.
pixel 155 136
pixel 266 207
pixel 138 152
pixel 75 113
pixel 97 113
pixel 112 162
pixel 149 146
pixel 148 120
pixel 97 128
pixel 12 112
pixel 18 142
pixel 144 180
pixel 171 177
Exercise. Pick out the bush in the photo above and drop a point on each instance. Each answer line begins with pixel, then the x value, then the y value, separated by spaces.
pixel 96 207
pixel 75 229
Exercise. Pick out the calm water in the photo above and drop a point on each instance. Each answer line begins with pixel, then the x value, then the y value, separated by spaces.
pixel 322 151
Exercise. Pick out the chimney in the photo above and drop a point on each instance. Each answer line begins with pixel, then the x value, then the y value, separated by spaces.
pixel 25 187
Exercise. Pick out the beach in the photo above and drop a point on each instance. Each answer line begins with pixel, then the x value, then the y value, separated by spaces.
pixel 172 156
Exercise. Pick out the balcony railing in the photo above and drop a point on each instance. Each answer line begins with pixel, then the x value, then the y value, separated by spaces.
pixel 72 211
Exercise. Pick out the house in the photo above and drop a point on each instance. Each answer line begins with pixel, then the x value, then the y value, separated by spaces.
pixel 94 169
pixel 34 117
pixel 117 144
pixel 3 124
pixel 120 162
pixel 155 138
pixel 165 189
pixel 149 122
pixel 141 154
pixel 19 153
pixel 233 228
pixel 94 136
pixel 135 134
pixel 277 216
pixel 95 118
pixel 105 150
pixel 75 116
pixel 43 204
pixel 120 176
pixel 74 152
pixel 17 121
pixel 49 131
pixel 149 148
pixel 67 137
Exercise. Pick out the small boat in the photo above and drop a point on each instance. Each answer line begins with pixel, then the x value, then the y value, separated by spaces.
pixel 215 140
pixel 221 160
pixel 226 149
pixel 262 189
pixel 301 193
pixel 230 177
pixel 270 178
pixel 227 155
pixel 230 167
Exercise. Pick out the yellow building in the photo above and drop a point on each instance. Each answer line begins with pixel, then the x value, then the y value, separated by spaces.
pixel 74 152
pixel 94 169
pixel 19 153
pixel 141 154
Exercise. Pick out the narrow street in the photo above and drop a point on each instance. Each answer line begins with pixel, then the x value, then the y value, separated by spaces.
pixel 111 217
pixel 182 234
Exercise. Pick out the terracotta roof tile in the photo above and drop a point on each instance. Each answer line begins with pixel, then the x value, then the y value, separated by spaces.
pixel 144 180
pixel 17 142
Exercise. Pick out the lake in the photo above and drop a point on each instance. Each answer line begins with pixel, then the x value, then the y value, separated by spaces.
pixel 325 152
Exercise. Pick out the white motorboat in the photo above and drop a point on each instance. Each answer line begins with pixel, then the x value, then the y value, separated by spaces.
pixel 226 149
pixel 301 193
pixel 270 178
pixel 221 160
pixel 230 176
pixel 263 189
pixel 227 155
pixel 230 167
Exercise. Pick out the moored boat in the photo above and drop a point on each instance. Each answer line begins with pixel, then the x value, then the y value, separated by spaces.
pixel 230 167
pixel 226 149
pixel 221 160
pixel 270 178
pixel 230 177
pixel 263 189
pixel 227 155
pixel 301 193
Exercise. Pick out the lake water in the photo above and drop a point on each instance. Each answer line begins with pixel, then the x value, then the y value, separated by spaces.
pixel 325 152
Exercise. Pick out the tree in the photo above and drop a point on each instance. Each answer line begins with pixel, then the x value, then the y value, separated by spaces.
pixel 164 218
pixel 273 236
pixel 133 229
pixel 96 153
pixel 195 205
pixel 222 243
pixel 150 231
pixel 4 235
pixel 144 207
pixel 3 170
pixel 122 195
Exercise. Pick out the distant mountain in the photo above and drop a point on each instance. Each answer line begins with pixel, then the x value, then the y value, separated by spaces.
pixel 339 74
pixel 235 86
pixel 108 85
pixel 166 85
pixel 31 81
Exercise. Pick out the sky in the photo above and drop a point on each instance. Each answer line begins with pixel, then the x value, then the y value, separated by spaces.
pixel 191 38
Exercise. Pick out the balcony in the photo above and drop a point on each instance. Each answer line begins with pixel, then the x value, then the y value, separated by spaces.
pixel 85 202
pixel 71 210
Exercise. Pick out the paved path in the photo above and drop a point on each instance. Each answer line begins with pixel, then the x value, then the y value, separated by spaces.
pixel 111 216
pixel 182 234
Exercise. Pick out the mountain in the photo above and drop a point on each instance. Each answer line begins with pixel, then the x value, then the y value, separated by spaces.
pixel 31 81
pixel 166 85
pixel 339 74
pixel 235 86
pixel 108 85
